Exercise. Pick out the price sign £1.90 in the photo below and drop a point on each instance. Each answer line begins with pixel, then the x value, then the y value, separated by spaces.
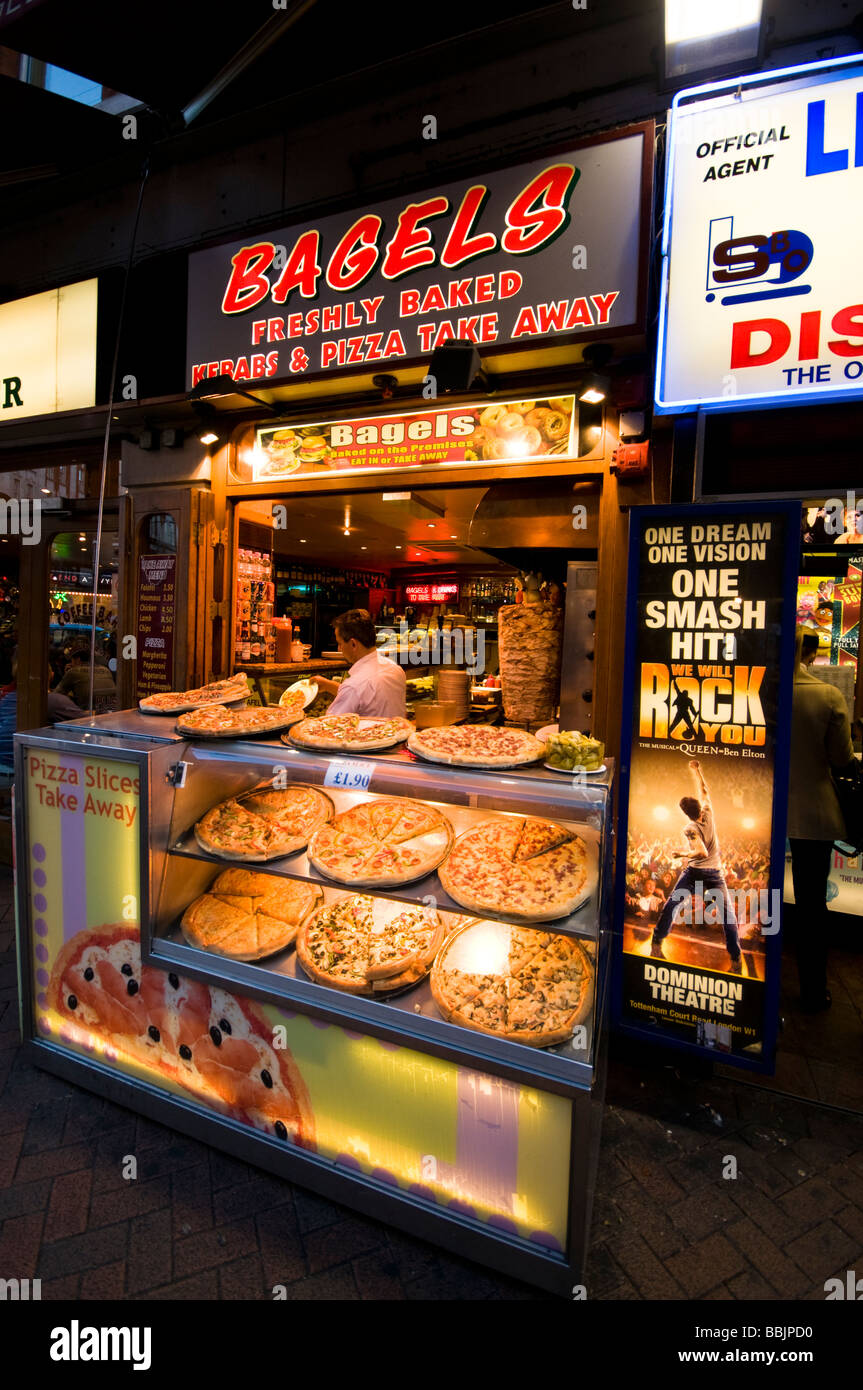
pixel 350 774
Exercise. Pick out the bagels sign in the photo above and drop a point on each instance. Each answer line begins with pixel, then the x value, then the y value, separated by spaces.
pixel 549 250
pixel 761 296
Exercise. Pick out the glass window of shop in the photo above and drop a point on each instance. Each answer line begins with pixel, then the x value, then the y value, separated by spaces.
pixel 70 596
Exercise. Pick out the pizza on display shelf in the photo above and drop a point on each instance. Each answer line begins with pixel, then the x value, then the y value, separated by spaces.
pixel 349 733
pixel 363 945
pixel 217 721
pixel 265 823
pixel 247 916
pixel 382 843
pixel 214 1045
pixel 520 866
pixel 177 701
pixel 476 745
pixel 523 985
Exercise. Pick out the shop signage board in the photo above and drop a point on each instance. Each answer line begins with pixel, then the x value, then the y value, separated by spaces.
pixel 440 1133
pixel 501 432
pixel 547 251
pixel 48 352
pixel 709 665
pixel 157 617
pixel 430 593
pixel 760 257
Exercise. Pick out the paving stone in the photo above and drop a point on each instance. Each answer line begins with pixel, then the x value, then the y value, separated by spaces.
pixel 20 1240
pixel 106 1283
pixel 700 1268
pixel 650 1219
pixel 333 1285
pixel 314 1211
pixel 75 1254
pixel 150 1250
pixel 281 1248
pixel 844 1179
pixel 10 1148
pixel 134 1198
pixel 812 1201
pixel 377 1277
pixel 821 1251
pixel 698 1215
pixel 763 1211
pixel 750 1285
pixel 331 1245
pixel 649 1275
pixel 197 1289
pixel 654 1178
pixel 191 1200
pixel 24 1198
pixel 625 1292
pixel 226 1171
pixel 218 1246
pixel 69 1204
pixel 261 1193
pixel 603 1272
pixel 413 1257
pixel 243 1279
pixel 850 1218
pixel 782 1274
pixel 62 1290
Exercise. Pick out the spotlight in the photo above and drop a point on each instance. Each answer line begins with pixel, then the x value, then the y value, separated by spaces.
pixel 209 437
pixel 711 40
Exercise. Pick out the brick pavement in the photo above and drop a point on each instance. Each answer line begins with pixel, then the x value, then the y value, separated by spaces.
pixel 199 1225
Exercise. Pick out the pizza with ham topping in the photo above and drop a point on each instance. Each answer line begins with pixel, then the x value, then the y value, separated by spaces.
pixel 216 1046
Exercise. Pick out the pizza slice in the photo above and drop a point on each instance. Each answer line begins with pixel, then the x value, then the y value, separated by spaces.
pixel 333 946
pixel 415 819
pixel 215 925
pixel 537 836
pixel 340 854
pixel 358 820
pixel 524 946
pixel 487 1009
pixel 385 816
pixel 400 942
pixel 232 831
pixel 536 1021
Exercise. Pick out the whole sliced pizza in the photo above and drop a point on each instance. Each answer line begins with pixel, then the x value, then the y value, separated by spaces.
pixel 217 721
pixel 265 823
pixel 365 946
pixel 476 745
pixel 216 1046
pixel 349 733
pixel 247 916
pixel 523 985
pixel 379 844
pixel 520 866
pixel 176 701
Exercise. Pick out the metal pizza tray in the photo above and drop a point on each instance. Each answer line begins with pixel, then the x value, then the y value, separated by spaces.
pixel 284 723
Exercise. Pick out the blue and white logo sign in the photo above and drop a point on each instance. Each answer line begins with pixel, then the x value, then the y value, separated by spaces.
pixel 762 288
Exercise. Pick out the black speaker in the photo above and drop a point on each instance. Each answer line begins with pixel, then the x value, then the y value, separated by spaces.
pixel 456 366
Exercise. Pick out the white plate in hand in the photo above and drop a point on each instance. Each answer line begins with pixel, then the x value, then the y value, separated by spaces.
pixel 309 689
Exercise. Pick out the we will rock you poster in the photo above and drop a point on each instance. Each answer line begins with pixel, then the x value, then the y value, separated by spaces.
pixel 710 637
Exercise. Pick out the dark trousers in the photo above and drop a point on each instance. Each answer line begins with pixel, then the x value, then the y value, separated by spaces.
pixel 810 870
pixel 700 881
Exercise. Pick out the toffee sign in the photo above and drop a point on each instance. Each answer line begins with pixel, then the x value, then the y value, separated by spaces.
pixel 549 250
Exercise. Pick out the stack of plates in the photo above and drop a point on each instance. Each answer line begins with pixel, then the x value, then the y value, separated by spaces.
pixel 455 686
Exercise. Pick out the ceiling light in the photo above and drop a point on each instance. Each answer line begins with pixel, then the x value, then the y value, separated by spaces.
pixel 593 389
pixel 363 547
pixel 399 547
pixel 82 537
pixel 45 489
pixel 347 532
pixel 430 525
pixel 706 39
pixel 209 438
pixel 302 540
pixel 453 538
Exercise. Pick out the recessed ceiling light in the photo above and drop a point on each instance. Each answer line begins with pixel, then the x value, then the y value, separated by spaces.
pixel 363 547
pixel 302 540
pixel 453 538
pixel 398 547
pixel 45 489
pixel 430 525
pixel 347 532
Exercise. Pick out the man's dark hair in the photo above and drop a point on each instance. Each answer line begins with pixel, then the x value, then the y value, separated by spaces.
pixel 79 654
pixel 690 807
pixel 357 623
pixel 810 643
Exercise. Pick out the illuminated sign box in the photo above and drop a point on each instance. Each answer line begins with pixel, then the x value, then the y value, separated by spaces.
pixel 760 288
pixel 430 593
pixel 48 352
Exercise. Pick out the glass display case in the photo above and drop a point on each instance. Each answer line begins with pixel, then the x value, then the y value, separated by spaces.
pixel 453 1088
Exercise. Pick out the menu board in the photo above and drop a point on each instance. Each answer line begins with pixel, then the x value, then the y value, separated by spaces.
pixel 705 761
pixel 156 620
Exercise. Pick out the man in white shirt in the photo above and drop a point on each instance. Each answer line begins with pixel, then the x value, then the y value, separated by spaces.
pixel 375 685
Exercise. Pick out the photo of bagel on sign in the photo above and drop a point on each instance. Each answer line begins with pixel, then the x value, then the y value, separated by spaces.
pixel 523 429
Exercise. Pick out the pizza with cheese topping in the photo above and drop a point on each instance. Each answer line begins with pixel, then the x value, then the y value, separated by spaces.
pixel 520 867
pixel 349 733
pixel 379 844
pixel 365 946
pixel 217 692
pixel 476 745
pixel 265 823
pixel 247 916
pixel 217 721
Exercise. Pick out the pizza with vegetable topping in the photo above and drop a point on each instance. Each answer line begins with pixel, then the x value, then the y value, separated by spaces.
pixel 538 988
pixel 364 946
pixel 217 692
pixel 520 867
pixel 216 721
pixel 476 745
pixel 378 844
pixel 265 823
pixel 349 733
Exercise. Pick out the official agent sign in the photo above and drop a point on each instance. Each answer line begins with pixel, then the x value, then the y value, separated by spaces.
pixel 761 298
pixel 551 249
pixel 705 776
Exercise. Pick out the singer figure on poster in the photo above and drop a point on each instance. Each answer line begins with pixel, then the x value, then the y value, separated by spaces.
pixel 703 874
pixel 683 712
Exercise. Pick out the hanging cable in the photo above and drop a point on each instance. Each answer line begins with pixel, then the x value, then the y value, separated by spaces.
pixel 145 174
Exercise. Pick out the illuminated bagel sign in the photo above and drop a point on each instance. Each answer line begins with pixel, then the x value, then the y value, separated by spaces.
pixel 547 251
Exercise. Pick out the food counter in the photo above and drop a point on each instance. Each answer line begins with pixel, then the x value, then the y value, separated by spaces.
pixel 407 1038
